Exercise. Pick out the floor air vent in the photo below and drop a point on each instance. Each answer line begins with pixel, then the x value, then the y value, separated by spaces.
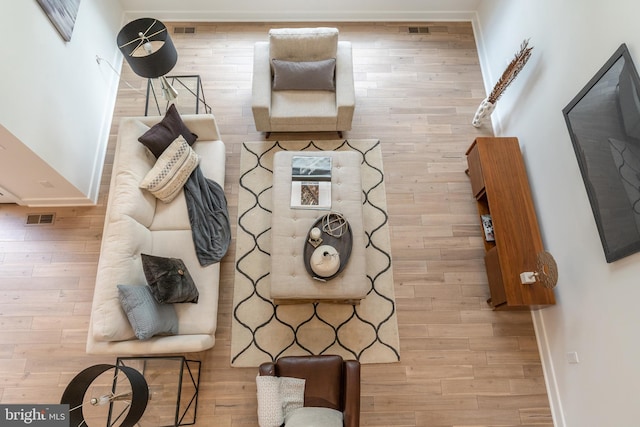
pixel 40 219
pixel 418 30
pixel 184 30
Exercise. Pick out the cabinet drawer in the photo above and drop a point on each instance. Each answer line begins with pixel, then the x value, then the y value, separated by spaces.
pixel 475 171
pixel 494 274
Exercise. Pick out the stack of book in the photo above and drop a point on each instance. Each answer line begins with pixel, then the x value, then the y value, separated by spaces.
pixel 311 182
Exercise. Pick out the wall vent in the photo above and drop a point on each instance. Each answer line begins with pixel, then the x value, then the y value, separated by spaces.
pixel 184 30
pixel 40 219
pixel 418 30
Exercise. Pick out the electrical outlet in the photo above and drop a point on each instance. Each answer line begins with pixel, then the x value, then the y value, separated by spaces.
pixel 572 357
pixel 527 278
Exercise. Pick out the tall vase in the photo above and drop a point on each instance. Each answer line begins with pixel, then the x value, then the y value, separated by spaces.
pixel 484 110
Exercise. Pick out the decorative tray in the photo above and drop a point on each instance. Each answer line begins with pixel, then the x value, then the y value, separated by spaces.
pixel 343 245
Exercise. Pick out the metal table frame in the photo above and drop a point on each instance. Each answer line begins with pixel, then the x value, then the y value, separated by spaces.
pixel 186 367
pixel 178 82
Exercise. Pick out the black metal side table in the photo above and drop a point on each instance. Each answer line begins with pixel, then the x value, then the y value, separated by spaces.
pixel 173 389
pixel 190 100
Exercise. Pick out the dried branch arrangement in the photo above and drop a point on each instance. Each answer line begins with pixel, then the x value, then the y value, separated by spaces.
pixel 512 70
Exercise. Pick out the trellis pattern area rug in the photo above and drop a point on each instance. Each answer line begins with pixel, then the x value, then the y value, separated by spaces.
pixel 262 331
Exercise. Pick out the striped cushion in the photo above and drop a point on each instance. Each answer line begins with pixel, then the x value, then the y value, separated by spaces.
pixel 171 171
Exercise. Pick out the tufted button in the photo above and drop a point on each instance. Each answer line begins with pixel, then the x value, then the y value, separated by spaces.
pixel 180 272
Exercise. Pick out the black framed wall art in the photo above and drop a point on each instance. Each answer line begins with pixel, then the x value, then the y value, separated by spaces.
pixel 62 14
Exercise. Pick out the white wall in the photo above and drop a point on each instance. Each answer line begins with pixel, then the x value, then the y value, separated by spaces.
pixel 597 312
pixel 296 10
pixel 58 102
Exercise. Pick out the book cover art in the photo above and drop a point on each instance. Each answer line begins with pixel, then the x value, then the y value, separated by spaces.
pixel 311 194
pixel 316 168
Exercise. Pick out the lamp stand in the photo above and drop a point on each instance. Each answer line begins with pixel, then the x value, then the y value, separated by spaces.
pixel 168 92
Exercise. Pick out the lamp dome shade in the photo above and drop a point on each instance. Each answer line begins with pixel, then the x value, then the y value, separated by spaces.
pixel 147 47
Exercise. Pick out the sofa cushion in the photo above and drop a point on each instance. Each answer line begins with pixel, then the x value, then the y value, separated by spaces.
pixel 146 315
pixel 174 216
pixel 123 241
pixel 193 318
pixel 161 135
pixel 169 279
pixel 131 163
pixel 291 107
pixel 303 44
pixel 314 417
pixel 171 171
pixel 304 75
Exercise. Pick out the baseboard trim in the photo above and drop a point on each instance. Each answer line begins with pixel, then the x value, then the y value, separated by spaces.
pixel 547 367
pixel 306 16
pixel 57 202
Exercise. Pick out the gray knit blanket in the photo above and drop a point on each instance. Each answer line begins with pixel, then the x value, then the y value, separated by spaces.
pixel 209 218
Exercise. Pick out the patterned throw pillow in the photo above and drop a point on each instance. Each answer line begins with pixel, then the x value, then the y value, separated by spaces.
pixel 277 398
pixel 171 171
pixel 270 412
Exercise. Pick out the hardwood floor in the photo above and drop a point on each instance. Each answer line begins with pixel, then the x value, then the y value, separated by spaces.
pixel 461 363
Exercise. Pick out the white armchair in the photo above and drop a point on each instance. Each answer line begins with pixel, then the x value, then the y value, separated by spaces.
pixel 286 100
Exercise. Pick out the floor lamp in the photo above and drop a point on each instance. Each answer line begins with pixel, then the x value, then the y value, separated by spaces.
pixel 149 51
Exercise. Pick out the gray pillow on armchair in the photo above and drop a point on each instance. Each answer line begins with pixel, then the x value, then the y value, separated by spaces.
pixel 304 75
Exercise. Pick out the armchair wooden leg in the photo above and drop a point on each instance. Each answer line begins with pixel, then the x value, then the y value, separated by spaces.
pixel 267 135
pixel 340 134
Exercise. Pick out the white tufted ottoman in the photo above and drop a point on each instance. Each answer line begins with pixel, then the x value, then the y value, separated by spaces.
pixel 290 282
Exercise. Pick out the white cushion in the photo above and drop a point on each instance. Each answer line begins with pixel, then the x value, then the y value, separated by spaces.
pixel 302 107
pixel 133 162
pixel 120 263
pixel 171 171
pixel 314 417
pixel 303 44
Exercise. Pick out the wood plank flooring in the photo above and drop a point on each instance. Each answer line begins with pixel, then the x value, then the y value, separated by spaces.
pixel 462 364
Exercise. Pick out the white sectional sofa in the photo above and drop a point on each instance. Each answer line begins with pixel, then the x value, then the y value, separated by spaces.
pixel 136 222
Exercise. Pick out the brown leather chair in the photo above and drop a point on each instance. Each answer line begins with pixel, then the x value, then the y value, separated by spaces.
pixel 330 382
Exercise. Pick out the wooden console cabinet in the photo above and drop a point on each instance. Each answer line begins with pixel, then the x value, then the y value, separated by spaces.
pixel 501 189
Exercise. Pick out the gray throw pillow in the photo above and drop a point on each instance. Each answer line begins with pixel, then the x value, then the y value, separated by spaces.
pixel 169 280
pixel 311 75
pixel 147 317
